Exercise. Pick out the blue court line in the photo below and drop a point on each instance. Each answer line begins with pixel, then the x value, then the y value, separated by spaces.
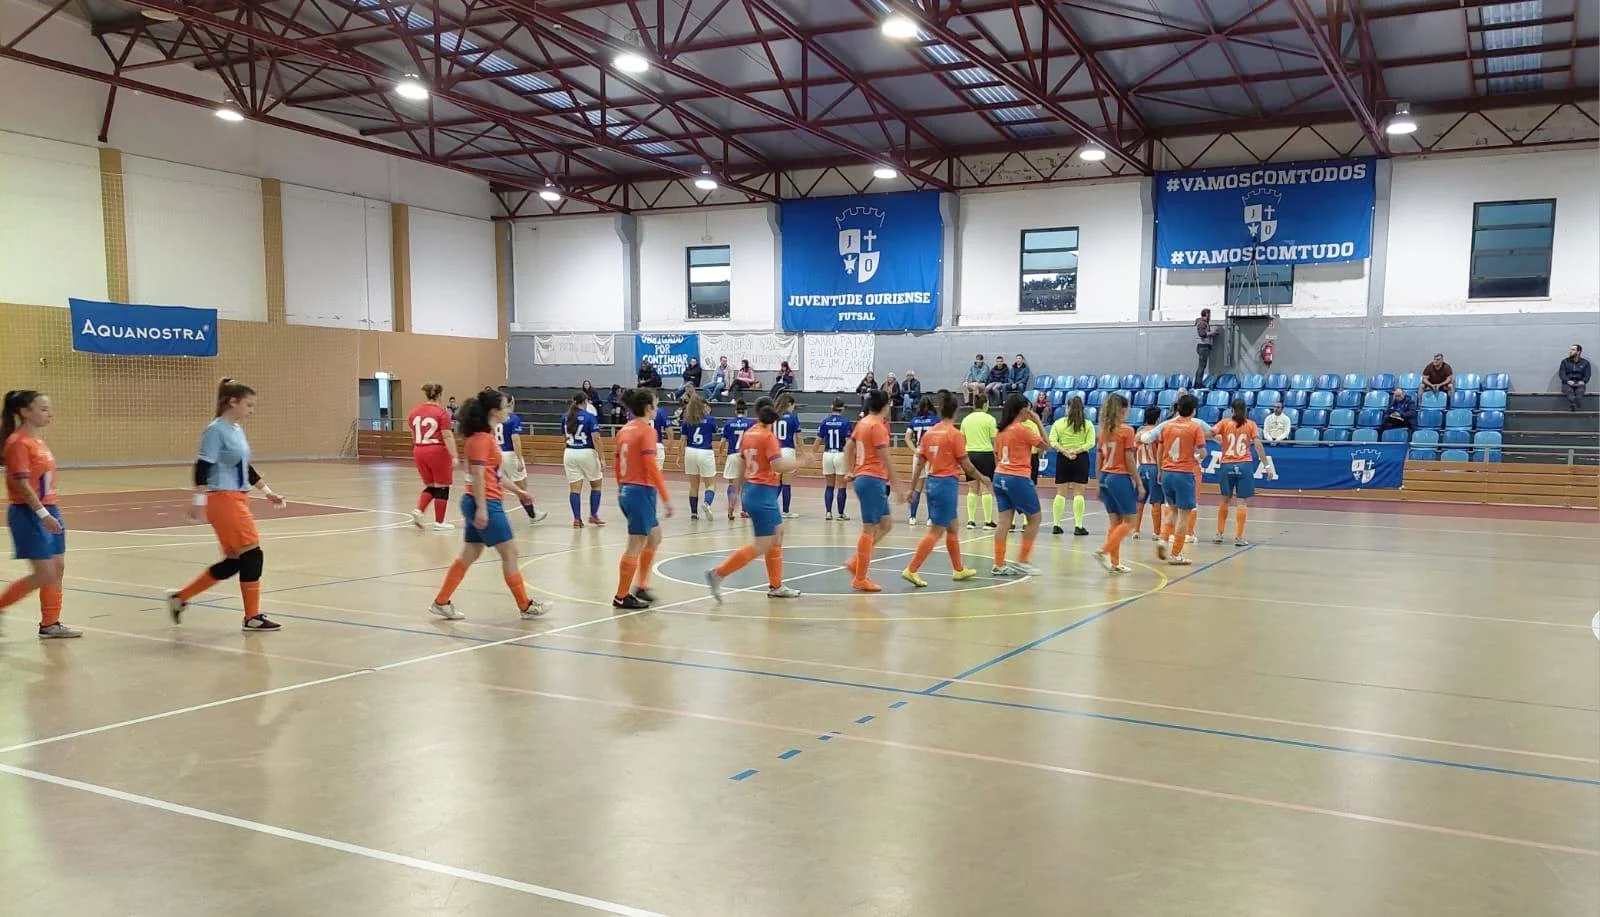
pixel 898 704
pixel 743 774
pixel 866 719
pixel 1034 644
pixel 1012 705
pixel 789 754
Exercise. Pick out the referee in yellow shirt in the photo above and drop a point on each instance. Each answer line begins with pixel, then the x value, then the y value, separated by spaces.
pixel 1072 437
pixel 978 428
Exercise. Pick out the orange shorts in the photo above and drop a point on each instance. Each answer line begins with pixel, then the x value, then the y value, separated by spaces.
pixel 228 511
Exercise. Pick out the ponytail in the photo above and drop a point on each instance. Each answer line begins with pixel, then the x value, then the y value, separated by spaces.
pixel 473 417
pixel 578 401
pixel 229 391
pixel 1075 416
pixel 1240 412
pixel 432 390
pixel 1112 414
pixel 1015 405
pixel 16 402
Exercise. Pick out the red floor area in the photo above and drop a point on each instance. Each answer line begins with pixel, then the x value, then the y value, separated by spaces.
pixel 157 509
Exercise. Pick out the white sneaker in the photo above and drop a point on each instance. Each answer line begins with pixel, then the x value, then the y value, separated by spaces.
pixel 1121 568
pixel 446 611
pixel 1005 570
pixel 1104 559
pixel 791 515
pixel 1240 543
pixel 442 527
pixel 417 518
pixel 1135 536
pixel 538 516
pixel 1163 548
pixel 1217 538
pixel 175 605
pixel 1024 569
pixel 912 521
pixel 58 631
pixel 1180 561
pixel 536 609
pixel 714 583
pixel 783 592
pixel 830 517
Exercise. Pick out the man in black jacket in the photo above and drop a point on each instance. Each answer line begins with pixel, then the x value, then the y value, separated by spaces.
pixel 648 377
pixel 1574 372
pixel 691 376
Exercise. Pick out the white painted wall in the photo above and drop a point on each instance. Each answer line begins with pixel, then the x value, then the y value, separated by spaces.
pixel 1430 229
pixel 52 229
pixel 336 260
pixel 1109 220
pixel 194 238
pixel 664 274
pixel 571 275
pixel 1320 291
pixel 453 290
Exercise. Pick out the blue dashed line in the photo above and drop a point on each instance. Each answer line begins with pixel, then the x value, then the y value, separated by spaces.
pixel 743 774
pixel 866 719
pixel 898 704
pixel 827 737
pixel 789 754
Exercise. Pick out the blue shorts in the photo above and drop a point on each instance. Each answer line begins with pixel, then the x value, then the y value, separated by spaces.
pixel 29 536
pixel 1178 488
pixel 943 494
pixel 873 496
pixel 1237 479
pixel 1150 478
pixel 1117 493
pixel 760 501
pixel 638 503
pixel 1015 493
pixel 498 531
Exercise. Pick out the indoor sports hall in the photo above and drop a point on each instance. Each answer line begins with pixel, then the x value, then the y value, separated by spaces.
pixel 1349 247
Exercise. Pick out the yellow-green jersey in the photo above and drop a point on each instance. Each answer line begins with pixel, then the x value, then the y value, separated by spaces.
pixel 1064 439
pixel 978 428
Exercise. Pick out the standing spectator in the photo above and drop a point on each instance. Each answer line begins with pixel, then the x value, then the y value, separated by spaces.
pixel 744 379
pixel 1205 336
pixel 451 407
pixel 589 394
pixel 1402 414
pixel 1042 407
pixel 977 380
pixel 721 378
pixel 784 382
pixel 648 377
pixel 1277 427
pixel 1438 376
pixel 910 394
pixel 691 378
pixel 616 413
pixel 995 383
pixel 867 385
pixel 1574 373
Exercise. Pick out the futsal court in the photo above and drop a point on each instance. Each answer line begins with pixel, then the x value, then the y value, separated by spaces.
pixel 1361 713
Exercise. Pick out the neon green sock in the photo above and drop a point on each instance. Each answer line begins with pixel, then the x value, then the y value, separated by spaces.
pixel 1077 511
pixel 1058 508
pixel 988 508
pixel 972 507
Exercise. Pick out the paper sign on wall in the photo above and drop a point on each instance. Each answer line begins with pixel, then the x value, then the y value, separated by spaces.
pixel 836 362
pixel 764 351
pixel 574 349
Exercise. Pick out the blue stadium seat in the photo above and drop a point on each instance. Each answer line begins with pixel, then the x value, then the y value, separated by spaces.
pixel 1457 437
pixel 1166 398
pixel 1180 380
pixel 1364 435
pixel 1466 400
pixel 1276 380
pixel 1301 382
pixel 1342 417
pixel 1043 382
pixel 1356 381
pixel 1497 382
pixel 1156 381
pixel 1077 393
pixel 1322 399
pixel 1376 400
pixel 1249 398
pixel 1492 400
pixel 1382 382
pixel 1307 435
pixel 1144 398
pixel 1057 397
pixel 1458 419
pixel 1423 454
pixel 1430 418
pixel 1209 413
pixel 1293 414
pixel 1425 438
pixel 1397 435
pixel 1491 420
pixel 1259 415
pixel 1488 438
pixel 1091 414
pixel 1369 417
pixel 1227 382
pixel 1296 398
pixel 1336 435
pixel 1314 417
pixel 1253 381
pixel 1348 398
pixel 1109 381
pixel 1328 382
pixel 1453 455
pixel 1127 396
pixel 1468 382
pixel 1095 398
pixel 1436 401
pixel 1085 382
pixel 1217 399
pixel 1132 382
pixel 1268 397
pixel 1410 381
pixel 1031 394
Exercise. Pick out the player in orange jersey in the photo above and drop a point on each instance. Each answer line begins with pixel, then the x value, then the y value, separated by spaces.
pixel 942 450
pixel 1149 474
pixel 433 449
pixel 37 532
pixel 1119 487
pixel 1240 439
pixel 1180 439
pixel 639 484
pixel 761 462
pixel 870 476
pixel 1014 490
pixel 486 524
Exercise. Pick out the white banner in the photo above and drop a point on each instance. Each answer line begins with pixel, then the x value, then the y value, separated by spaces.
pixel 836 362
pixel 575 349
pixel 764 351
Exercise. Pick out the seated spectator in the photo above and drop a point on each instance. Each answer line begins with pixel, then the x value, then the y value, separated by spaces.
pixel 743 380
pixel 891 387
pixel 1438 376
pixel 1574 372
pixel 1019 378
pixel 648 377
pixel 1402 414
pixel 721 378
pixel 977 381
pixel 785 380
pixel 995 382
pixel 1276 428
pixel 1042 407
pixel 616 414
pixel 691 378
pixel 867 385
pixel 589 394
pixel 910 394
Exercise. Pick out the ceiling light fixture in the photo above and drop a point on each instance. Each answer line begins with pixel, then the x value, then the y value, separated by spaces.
pixel 229 112
pixel 630 62
pixel 411 89
pixel 1401 123
pixel 705 182
pixel 549 194
pixel 885 173
pixel 899 26
pixel 155 15
pixel 1094 152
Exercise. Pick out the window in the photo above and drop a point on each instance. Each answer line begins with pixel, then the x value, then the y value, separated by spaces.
pixel 709 276
pixel 1511 243
pixel 1050 270
pixel 1260 285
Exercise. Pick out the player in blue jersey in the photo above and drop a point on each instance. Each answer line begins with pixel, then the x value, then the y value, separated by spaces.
pixel 581 460
pixel 699 429
pixel 833 437
pixel 513 470
pixel 661 422
pixel 732 432
pixel 787 429
pixel 925 419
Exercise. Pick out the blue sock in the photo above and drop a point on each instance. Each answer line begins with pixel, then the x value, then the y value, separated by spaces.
pixel 787 491
pixel 916 500
pixel 594 502
pixel 710 495
pixel 827 497
pixel 844 493
pixel 694 505
pixel 730 493
pixel 577 504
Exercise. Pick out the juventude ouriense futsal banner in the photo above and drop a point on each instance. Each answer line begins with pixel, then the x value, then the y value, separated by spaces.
pixel 1284 213
pixel 866 263
pixel 668 353
pixel 121 330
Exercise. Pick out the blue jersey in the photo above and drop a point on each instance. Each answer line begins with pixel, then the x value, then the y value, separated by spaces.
pixel 834 431
pixel 582 437
pixel 223 445
pixel 786 429
pixel 699 435
pixel 733 431
pixel 921 424
pixel 661 423
pixel 504 431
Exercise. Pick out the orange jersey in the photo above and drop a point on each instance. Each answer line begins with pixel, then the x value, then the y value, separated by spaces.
pixel 942 449
pixel 636 456
pixel 869 434
pixel 1238 439
pixel 429 425
pixel 1180 439
pixel 1114 453
pixel 483 452
pixel 758 447
pixel 1013 449
pixel 28 459
pixel 1147 451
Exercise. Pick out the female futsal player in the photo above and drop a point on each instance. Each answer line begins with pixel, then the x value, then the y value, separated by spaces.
pixel 515 470
pixel 925 418
pixel 833 434
pixel 1240 438
pixel 433 449
pixel 223 479
pixel 39 536
pixel 1073 439
pixel 762 461
pixel 1119 457
pixel 943 451
pixel 581 460
pixel 978 428
pixel 787 429
pixel 871 478
pixel 732 432
pixel 1181 439
pixel 699 430
pixel 1014 490
pixel 639 483
pixel 487 524
pixel 1149 474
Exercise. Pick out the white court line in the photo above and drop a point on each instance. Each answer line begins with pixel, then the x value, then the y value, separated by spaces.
pixel 384 856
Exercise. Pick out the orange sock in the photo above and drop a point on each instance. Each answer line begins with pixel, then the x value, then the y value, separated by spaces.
pixel 452 579
pixel 627 567
pixel 1194 521
pixel 1027 548
pixel 952 545
pixel 1238 530
pixel 647 559
pixel 737 561
pixel 16 592
pixel 1138 517
pixel 1222 519
pixel 863 556
pixel 1177 543
pixel 1155 519
pixel 924 548
pixel 519 590
pixel 774 567
pixel 49 605
pixel 251 593
pixel 1114 541
pixel 201 583
pixel 1000 551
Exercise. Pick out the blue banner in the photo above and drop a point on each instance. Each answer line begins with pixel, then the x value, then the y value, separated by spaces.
pixel 1341 466
pixel 122 330
pixel 867 263
pixel 669 353
pixel 1285 213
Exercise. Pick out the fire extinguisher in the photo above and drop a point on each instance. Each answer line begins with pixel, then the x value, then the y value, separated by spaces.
pixel 1266 353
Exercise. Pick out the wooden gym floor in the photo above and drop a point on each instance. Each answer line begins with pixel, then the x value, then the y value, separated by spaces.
pixel 1364 714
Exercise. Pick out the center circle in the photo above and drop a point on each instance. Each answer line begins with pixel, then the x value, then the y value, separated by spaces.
pixel 817 570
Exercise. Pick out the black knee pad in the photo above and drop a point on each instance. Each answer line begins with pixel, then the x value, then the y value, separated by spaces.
pixel 250 564
pixel 442 494
pixel 224 568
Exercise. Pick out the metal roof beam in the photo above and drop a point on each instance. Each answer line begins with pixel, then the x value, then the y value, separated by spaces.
pixel 1333 63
